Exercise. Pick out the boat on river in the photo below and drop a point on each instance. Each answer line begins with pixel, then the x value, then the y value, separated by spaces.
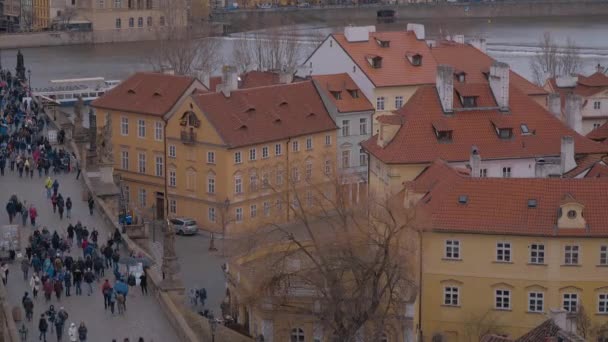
pixel 66 92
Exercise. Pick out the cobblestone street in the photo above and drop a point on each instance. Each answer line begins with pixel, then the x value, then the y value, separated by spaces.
pixel 143 317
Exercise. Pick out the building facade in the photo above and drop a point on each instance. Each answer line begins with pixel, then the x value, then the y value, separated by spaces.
pixel 41 13
pixel 26 16
pixel 10 10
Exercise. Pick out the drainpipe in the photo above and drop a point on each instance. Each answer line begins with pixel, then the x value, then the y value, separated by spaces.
pixel 421 337
pixel 287 174
pixel 166 188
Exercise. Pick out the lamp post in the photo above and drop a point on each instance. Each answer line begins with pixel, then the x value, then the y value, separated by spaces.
pixel 213 325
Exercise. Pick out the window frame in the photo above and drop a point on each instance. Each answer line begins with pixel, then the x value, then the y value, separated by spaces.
pixel 211 157
pixel 141 128
pixel 238 157
pixel 278 149
pixel 500 295
pixel 238 185
pixel 398 102
pixel 172 206
pixel 380 103
pixel 252 154
pixel 141 162
pixel 571 252
pixel 534 298
pixel 211 215
pixel 602 303
pixel 295 146
pixel 159 165
pixel 603 255
pixel 506 172
pixel 238 214
pixel 172 151
pixel 451 295
pixel 124 126
pixel 504 252
pixel 124 159
pixel 265 153
pixel 572 298
pixel 539 249
pixel 345 129
pixel 309 144
pixel 253 211
pixel 453 247
pixel 172 178
pixel 158 131
pixel 328 140
pixel 362 126
pixel 211 184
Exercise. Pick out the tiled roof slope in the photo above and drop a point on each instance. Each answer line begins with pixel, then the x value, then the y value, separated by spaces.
pixel 342 83
pixel 264 114
pixel 587 163
pixel 500 205
pixel 396 70
pixel 539 334
pixel 585 86
pixel 416 141
pixel 252 79
pixel 145 93
pixel 599 134
pixel 475 63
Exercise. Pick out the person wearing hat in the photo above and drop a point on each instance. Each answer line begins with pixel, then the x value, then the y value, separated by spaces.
pixel 73 332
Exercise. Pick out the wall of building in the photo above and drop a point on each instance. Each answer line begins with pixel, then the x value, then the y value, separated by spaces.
pixel 594 117
pixel 520 168
pixel 477 274
pixel 387 179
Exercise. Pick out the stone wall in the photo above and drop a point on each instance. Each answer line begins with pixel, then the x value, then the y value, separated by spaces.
pixel 34 39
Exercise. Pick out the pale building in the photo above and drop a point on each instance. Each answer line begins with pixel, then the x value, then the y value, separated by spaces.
pixel 9 15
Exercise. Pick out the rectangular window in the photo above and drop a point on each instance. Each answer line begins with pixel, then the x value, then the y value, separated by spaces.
pixel 503 252
pixel 537 253
pixel 211 184
pixel 597 105
pixel 398 102
pixel 142 162
pixel 363 126
pixel 362 157
pixel 570 302
pixel 380 103
pixel 506 172
pixel 503 300
pixel 124 160
pixel 117 3
pixel 309 143
pixel 279 177
pixel 172 151
pixel 173 206
pixel 253 211
pixel 191 180
pixel 237 157
pixel 536 301
pixel 118 23
pixel 345 128
pixel 159 166
pixel 604 255
pixel 327 167
pixel 266 208
pixel 253 183
pixel 252 153
pixel 308 170
pixel 450 296
pixel 142 198
pixel 602 303
pixel 211 157
pixel 327 140
pixel 172 178
pixel 238 185
pixel 277 150
pixel 483 173
pixel 141 128
pixel 158 130
pixel 265 180
pixel 264 152
pixel 239 214
pixel 295 146
pixel 279 204
pixel 345 159
pixel 295 174
pixel 124 126
pixel 571 255
pixel 211 214
pixel 452 249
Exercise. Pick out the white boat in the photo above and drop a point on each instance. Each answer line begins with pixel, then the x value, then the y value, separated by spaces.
pixel 66 92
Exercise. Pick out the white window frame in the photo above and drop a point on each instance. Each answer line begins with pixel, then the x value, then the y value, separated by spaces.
pixel 253 182
pixel 362 126
pixel 124 125
pixel 159 165
pixel 503 251
pixel 603 255
pixel 451 295
pixel 142 196
pixel 252 154
pixel 362 157
pixel 602 303
pixel 452 250
pixel 295 146
pixel 500 297
pixel 537 254
pixel 570 301
pixel 141 128
pixel 380 103
pixel 345 157
pixel 158 131
pixel 536 301
pixel 328 140
pixel 278 149
pixel 506 172
pixel 172 178
pixel 124 159
pixel 295 174
pixel 345 128
pixel 327 167
pixel 265 152
pixel 210 157
pixel 211 184
pixel 297 335
pixel 266 208
pixel 483 173
pixel 237 157
pixel 253 211
pixel 172 206
pixel 211 214
pixel 172 151
pixel 308 173
pixel 597 105
pixel 238 185
pixel 571 255
pixel 238 214
pixel 141 162
pixel 398 102
pixel 309 144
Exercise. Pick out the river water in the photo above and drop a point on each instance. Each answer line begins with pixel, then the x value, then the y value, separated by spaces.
pixel 510 40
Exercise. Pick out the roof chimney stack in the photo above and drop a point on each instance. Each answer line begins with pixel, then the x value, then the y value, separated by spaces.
pixel 418 30
pixel 230 80
pixel 561 319
pixel 285 77
pixel 475 162
pixel 445 87
pixel 599 68
pixel 458 38
pixel 554 105
pixel 479 44
pixel 567 154
pixel 358 33
pixel 573 112
pixel 499 83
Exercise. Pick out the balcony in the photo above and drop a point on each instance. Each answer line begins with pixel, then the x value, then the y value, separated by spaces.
pixel 188 137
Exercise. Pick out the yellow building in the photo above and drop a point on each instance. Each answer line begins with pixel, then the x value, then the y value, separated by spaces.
pixel 236 157
pixel 499 255
pixel 138 107
pixel 41 20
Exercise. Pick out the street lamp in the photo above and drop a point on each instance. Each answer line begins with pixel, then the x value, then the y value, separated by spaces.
pixel 213 325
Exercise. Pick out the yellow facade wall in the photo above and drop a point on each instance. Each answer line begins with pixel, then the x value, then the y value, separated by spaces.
pixel 478 275
pixel 387 179
pixel 390 94
pixel 41 15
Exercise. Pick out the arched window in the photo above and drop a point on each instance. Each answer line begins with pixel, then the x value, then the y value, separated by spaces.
pixel 131 22
pixel 297 335
pixel 140 22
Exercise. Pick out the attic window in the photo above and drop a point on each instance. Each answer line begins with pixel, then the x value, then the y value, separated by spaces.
pixel 250 110
pixel 417 60
pixel 444 136
pixel 463 199
pixel 571 214
pixel 354 93
pixel 311 114
pixel 156 93
pixel 461 77
pixel 375 61
pixel 283 103
pixel 131 91
pixel 469 101
pixel 383 43
pixel 505 133
pixel 532 203
pixel 524 129
pixel 337 95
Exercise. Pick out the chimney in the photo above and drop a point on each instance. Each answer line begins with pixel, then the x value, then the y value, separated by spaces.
pixel 554 105
pixel 567 162
pixel 479 44
pixel 418 30
pixel 572 112
pixel 445 87
pixel 499 83
pixel 358 33
pixel 599 68
pixel 458 38
pixel 204 78
pixel 561 319
pixel 475 162
pixel 285 77
pixel 230 80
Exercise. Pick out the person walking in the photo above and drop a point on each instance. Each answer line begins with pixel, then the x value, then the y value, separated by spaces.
pixel 2 164
pixel 10 210
pixel 43 326
pixel 77 281
pixel 24 214
pixel 58 286
pixel 70 227
pixel 35 283
pixel 68 208
pixel 111 299
pixel 33 215
pixel 105 290
pixel 54 202
pixel 28 307
pixel 4 273
pixel 55 187
pixel 73 332
pixel 60 206
pixel 91 203
pixel 143 283
pixel 67 280
pixel 47 287
pixel 25 268
pixel 62 317
pixel 48 184
pixel 88 278
pixel 82 332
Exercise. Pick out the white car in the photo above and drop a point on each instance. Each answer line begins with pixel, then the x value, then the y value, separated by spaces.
pixel 184 226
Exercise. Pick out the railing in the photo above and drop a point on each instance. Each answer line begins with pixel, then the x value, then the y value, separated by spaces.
pixel 188 137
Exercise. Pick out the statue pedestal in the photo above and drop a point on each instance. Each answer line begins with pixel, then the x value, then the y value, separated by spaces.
pixel 106 173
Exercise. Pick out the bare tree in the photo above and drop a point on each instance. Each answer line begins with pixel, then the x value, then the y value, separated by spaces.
pixel 478 326
pixel 553 61
pixel 66 15
pixel 583 322
pixel 353 260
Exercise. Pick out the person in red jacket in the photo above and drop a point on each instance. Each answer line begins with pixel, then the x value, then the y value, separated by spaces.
pixel 33 215
pixel 105 290
pixel 48 289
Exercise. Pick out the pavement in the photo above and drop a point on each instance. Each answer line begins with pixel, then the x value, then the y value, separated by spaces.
pixel 143 318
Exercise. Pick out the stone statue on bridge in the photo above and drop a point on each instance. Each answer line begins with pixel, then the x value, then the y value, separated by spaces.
pixel 105 150
pixel 20 69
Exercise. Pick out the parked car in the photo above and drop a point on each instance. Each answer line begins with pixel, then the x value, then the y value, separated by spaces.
pixel 184 226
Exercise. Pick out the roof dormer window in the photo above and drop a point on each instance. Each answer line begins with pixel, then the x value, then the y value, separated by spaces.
pixel 469 101
pixel 524 129
pixel 505 133
pixel 461 76
pixel 414 58
pixel 337 95
pixel 444 136
pixel 375 61
pixel 354 93
pixel 383 43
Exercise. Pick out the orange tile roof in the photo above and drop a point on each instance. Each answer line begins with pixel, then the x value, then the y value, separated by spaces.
pixel 586 86
pixel 264 114
pixel 468 59
pixel 597 79
pixel 145 93
pixel 396 69
pixel 416 142
pixel 500 205
pixel 599 134
pixel 252 79
pixel 343 83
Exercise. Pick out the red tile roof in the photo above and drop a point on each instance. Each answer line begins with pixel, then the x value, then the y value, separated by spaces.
pixel 585 163
pixel 252 79
pixel 468 59
pixel 500 205
pixel 396 69
pixel 599 134
pixel 416 142
pixel 145 93
pixel 342 83
pixel 597 79
pixel 264 114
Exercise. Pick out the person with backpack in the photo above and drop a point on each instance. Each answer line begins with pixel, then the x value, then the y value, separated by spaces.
pixel 67 280
pixel 42 327
pixel 68 208
pixel 55 187
pixel 48 185
pixel 77 281
pixel 89 277
pixel 28 307
pixel 105 290
pixel 60 206
pixel 73 332
pixel 82 332
pixel 62 317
